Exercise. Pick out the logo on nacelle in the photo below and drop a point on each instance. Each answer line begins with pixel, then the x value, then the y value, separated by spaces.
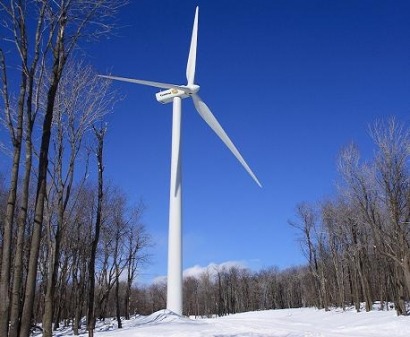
pixel 174 91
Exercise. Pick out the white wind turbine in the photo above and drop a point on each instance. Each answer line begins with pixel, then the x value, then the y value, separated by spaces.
pixel 175 93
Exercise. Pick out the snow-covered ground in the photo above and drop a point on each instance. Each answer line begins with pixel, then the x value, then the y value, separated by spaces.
pixel 306 322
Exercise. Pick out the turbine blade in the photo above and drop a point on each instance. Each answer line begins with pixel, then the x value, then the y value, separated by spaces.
pixel 210 119
pixel 190 67
pixel 148 83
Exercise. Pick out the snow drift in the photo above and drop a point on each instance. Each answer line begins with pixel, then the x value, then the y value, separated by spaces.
pixel 306 322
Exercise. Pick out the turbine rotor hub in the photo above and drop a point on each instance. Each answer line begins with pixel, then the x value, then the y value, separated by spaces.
pixel 193 88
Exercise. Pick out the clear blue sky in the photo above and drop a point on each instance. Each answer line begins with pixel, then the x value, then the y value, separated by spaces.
pixel 291 81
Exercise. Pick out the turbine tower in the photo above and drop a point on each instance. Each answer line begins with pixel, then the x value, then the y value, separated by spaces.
pixel 175 93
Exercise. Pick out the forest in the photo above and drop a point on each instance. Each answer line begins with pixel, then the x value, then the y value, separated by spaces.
pixel 72 243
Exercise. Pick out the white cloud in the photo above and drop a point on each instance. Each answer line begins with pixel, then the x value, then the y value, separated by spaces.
pixel 159 279
pixel 194 271
pixel 211 269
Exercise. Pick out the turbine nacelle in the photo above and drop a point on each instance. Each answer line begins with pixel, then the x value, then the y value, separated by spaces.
pixel 167 96
pixel 183 91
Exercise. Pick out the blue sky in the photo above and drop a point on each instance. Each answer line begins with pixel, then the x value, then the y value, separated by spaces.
pixel 291 82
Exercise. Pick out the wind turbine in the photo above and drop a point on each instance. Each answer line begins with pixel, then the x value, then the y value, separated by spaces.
pixel 175 93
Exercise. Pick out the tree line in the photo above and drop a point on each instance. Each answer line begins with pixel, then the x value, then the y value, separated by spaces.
pixel 356 243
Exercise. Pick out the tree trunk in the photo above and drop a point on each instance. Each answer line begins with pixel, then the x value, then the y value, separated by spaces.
pixel 17 289
pixel 7 241
pixel 39 205
pixel 127 299
pixel 61 302
pixel 406 271
pixel 52 275
pixel 78 295
pixel 117 297
pixel 91 266
pixel 364 281
pixel 16 137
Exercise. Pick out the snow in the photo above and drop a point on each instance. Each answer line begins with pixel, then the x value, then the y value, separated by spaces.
pixel 304 322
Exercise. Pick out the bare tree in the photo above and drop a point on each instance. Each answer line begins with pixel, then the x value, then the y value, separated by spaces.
pixel 80 237
pixel 136 245
pixel 15 127
pixel 308 221
pixel 332 218
pixel 393 177
pixel 191 296
pixel 119 254
pixel 112 225
pixel 157 293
